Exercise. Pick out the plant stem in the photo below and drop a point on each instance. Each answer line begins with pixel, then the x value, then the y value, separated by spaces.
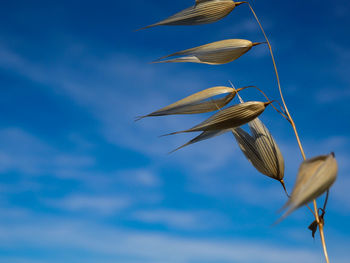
pixel 323 242
pixel 263 93
pixel 287 194
pixel 319 222
pixel 284 188
pixel 279 84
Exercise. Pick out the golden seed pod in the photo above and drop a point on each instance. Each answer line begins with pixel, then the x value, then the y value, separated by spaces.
pixel 198 102
pixel 261 149
pixel 206 135
pixel 215 53
pixel 315 177
pixel 203 12
pixel 231 117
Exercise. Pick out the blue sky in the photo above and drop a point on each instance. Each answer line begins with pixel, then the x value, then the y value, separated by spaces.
pixel 80 181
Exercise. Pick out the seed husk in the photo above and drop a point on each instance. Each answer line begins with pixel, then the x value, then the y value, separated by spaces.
pixel 215 53
pixel 230 117
pixel 315 177
pixel 198 102
pixel 203 136
pixel 261 149
pixel 203 12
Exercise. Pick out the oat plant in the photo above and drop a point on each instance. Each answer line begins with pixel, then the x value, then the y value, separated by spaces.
pixel 315 176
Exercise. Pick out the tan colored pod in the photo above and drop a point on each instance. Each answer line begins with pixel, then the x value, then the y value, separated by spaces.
pixel 231 117
pixel 206 135
pixel 198 102
pixel 203 12
pixel 215 53
pixel 315 177
pixel 261 149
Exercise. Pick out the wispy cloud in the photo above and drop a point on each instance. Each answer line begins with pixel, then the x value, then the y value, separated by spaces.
pixel 12 61
pixel 117 108
pixel 186 220
pixel 332 95
pixel 77 201
pixel 109 242
pixel 23 152
pixel 105 205
pixel 139 177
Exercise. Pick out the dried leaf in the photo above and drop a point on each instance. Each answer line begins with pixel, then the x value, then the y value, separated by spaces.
pixel 315 177
pixel 197 103
pixel 203 12
pixel 203 136
pixel 313 228
pixel 215 53
pixel 231 117
pixel 261 149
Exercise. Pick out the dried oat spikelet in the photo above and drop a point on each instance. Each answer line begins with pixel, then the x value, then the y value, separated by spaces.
pixel 261 149
pixel 231 117
pixel 215 53
pixel 315 177
pixel 206 135
pixel 198 102
pixel 203 12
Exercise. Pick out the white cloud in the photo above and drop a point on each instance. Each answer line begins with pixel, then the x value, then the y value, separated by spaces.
pixel 11 61
pixel 23 152
pixel 139 177
pixel 120 96
pixel 30 157
pixel 113 243
pixel 176 219
pixel 331 95
pixel 69 160
pixel 116 108
pixel 185 220
pixel 104 205
pixel 12 214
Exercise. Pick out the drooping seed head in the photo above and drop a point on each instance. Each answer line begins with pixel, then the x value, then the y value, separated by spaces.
pixel 203 12
pixel 206 135
pixel 200 102
pixel 261 149
pixel 315 177
pixel 214 53
pixel 231 117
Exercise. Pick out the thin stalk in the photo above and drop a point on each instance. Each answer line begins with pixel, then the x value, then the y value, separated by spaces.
pixel 320 224
pixel 278 111
pixel 285 190
pixel 325 202
pixel 279 83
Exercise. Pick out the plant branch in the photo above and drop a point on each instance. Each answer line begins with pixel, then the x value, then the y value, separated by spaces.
pixel 279 83
pixel 320 222
pixel 325 202
pixel 282 113
pixel 320 226
pixel 285 190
